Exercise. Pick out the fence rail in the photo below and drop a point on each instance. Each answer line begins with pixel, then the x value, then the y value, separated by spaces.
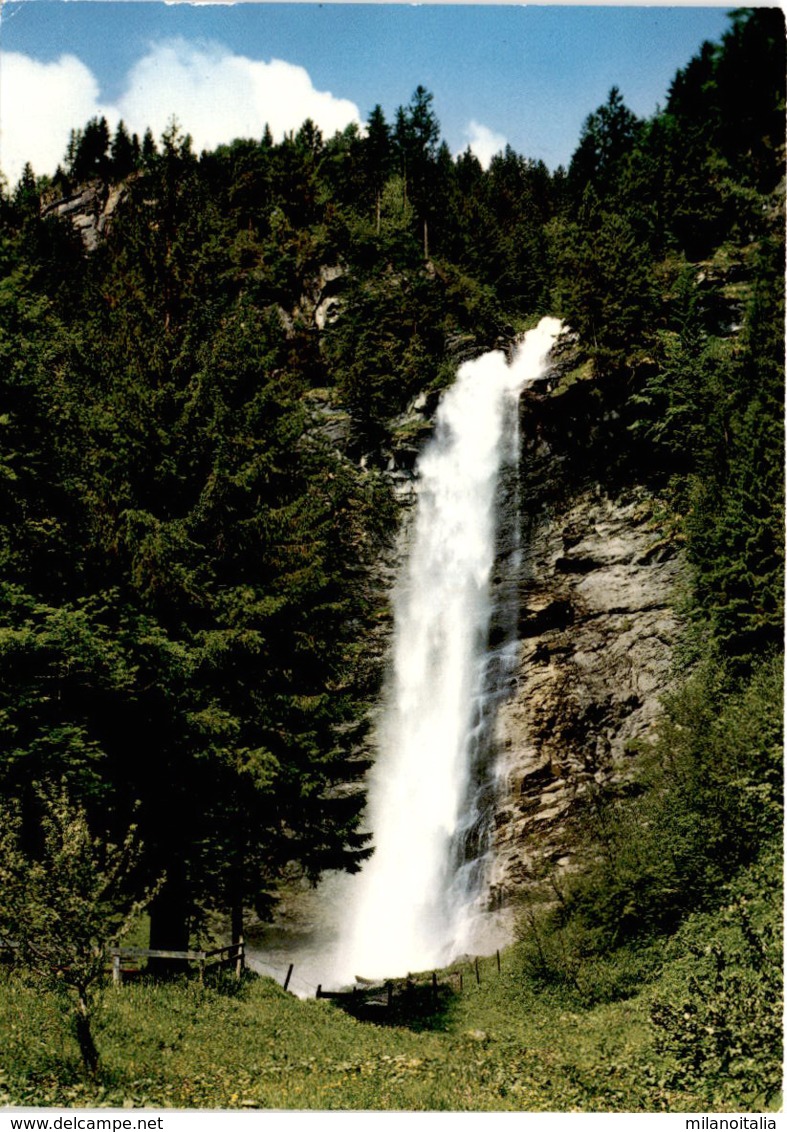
pixel 385 993
pixel 382 994
pixel 235 953
pixel 469 969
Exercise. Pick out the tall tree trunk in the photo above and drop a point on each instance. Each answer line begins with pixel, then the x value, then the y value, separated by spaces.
pixel 84 1035
pixel 236 886
pixel 169 919
pixel 236 921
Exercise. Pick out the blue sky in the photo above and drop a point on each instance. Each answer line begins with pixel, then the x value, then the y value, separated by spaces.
pixel 527 76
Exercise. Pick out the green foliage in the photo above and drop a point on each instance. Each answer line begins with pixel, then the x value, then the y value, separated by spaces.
pixel 64 902
pixel 606 140
pixel 685 398
pixel 504 1045
pixel 88 151
pixel 707 799
pixel 416 143
pixel 713 409
pixel 93 155
pixel 711 796
pixel 725 117
pixel 717 1014
pixel 606 290
pixel 562 954
pixel 736 521
pixel 386 346
pixel 724 1033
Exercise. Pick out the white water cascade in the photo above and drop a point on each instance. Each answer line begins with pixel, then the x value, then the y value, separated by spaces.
pixel 413 905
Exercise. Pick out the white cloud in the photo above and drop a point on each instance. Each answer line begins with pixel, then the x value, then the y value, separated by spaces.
pixel 217 96
pixel 484 143
pixel 39 104
pixel 214 94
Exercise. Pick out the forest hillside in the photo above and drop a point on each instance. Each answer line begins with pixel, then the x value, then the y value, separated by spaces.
pixel 205 365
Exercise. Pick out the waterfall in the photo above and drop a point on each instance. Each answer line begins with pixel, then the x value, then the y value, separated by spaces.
pixel 413 904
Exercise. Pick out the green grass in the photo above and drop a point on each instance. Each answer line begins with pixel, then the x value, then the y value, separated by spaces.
pixel 183 1046
pixel 504 1045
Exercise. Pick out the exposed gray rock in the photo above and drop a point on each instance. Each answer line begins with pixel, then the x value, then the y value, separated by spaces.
pixel 319 304
pixel 89 208
pixel 596 626
pixel 332 420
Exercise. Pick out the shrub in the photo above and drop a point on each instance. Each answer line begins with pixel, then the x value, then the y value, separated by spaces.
pixel 724 1031
pixel 61 910
pixel 709 795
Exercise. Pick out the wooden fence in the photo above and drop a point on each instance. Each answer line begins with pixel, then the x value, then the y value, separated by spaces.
pixel 383 994
pixel 233 955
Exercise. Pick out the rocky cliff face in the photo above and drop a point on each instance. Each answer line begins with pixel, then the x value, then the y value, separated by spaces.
pixel 597 591
pixel 596 630
pixel 89 209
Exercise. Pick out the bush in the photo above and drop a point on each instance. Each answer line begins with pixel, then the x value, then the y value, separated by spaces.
pixel 562 953
pixel 62 911
pixel 709 796
pixel 723 1032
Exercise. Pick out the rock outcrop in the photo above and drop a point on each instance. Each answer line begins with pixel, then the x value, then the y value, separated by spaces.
pixel 598 586
pixel 596 630
pixel 89 208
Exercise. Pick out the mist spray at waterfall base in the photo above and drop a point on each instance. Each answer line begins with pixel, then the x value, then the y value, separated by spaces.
pixel 421 899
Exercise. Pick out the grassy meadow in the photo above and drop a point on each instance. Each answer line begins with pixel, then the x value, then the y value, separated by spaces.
pixel 510 1043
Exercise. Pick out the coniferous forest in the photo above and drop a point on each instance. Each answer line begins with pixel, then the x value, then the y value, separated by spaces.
pixel 196 412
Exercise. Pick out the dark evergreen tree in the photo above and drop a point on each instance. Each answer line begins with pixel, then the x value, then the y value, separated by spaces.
pixel 90 148
pixel 123 153
pixel 377 159
pixel 607 138
pixel 149 148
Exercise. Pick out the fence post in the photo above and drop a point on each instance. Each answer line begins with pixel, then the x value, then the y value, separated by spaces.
pixel 477 972
pixel 117 977
pixel 289 976
pixel 319 991
pixel 434 985
pixel 498 961
pixel 240 958
pixel 461 983
pixel 201 962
